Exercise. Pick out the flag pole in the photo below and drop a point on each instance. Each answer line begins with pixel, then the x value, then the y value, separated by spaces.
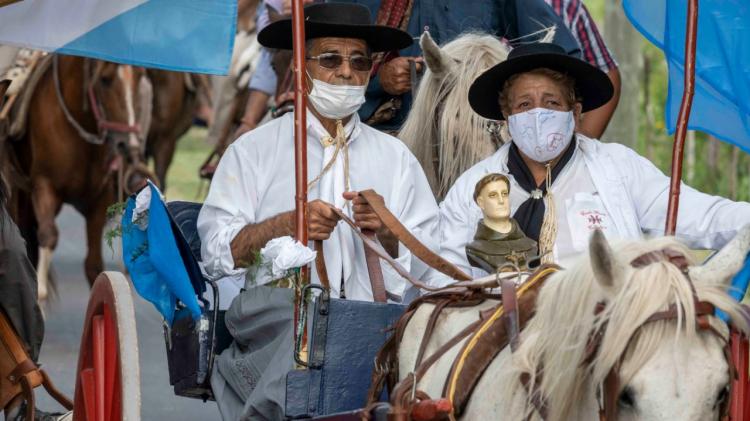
pixel 739 405
pixel 300 122
pixel 300 145
pixel 691 36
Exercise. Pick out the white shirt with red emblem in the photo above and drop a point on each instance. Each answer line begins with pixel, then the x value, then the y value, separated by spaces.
pixel 604 186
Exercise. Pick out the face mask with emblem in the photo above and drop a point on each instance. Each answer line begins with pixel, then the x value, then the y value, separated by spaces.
pixel 542 134
pixel 336 101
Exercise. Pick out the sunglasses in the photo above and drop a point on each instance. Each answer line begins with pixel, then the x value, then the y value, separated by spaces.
pixel 334 61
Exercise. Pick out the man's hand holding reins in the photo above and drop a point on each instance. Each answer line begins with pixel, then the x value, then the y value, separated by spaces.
pixel 321 220
pixel 366 219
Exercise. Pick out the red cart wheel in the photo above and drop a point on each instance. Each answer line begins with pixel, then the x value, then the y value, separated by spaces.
pixel 108 383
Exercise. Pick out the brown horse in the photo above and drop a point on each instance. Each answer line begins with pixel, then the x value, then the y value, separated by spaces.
pixel 82 145
pixel 176 96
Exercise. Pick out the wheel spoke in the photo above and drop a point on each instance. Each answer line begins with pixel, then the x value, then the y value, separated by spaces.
pixel 108 382
pixel 110 359
pixel 98 344
pixel 86 378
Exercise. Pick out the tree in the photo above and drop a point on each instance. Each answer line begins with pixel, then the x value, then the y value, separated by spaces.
pixel 625 42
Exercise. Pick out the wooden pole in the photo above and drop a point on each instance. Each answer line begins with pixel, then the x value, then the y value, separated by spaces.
pixel 691 36
pixel 739 403
pixel 300 122
pixel 300 150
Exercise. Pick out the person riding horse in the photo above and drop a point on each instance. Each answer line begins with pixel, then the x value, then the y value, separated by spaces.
pixel 250 200
pixel 565 185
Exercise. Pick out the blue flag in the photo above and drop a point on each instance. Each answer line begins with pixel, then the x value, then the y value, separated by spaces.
pixel 182 35
pixel 154 262
pixel 721 105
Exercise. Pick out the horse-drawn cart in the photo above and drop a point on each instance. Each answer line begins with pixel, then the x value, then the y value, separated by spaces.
pixel 339 350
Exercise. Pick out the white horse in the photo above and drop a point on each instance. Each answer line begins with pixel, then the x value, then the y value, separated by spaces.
pixel 442 131
pixel 670 370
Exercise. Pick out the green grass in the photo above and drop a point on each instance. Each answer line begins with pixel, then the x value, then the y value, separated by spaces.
pixel 183 182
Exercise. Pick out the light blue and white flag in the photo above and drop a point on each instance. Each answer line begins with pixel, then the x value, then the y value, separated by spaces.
pixel 721 105
pixel 183 35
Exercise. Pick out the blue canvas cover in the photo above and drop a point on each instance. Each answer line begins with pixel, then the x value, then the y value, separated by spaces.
pixel 154 261
pixel 180 35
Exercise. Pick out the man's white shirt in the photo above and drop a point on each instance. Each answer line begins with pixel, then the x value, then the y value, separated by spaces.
pixel 606 186
pixel 255 181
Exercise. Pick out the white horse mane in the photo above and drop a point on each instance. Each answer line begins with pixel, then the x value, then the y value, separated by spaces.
pixel 556 337
pixel 441 113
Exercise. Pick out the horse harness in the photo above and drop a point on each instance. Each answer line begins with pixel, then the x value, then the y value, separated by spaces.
pixel 104 128
pixel 484 340
pixel 497 328
pixel 608 392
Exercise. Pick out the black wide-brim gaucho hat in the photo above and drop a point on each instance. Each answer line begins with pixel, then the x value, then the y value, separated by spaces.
pixel 591 83
pixel 340 20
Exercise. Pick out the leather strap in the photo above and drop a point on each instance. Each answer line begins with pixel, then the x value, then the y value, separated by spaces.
pixel 374 251
pixel 535 397
pixel 492 336
pixel 23 368
pixel 25 374
pixel 408 240
pixel 608 408
pixel 373 268
pixel 377 282
pixel 427 335
pixel 320 265
pixel 377 249
pixel 55 392
pixel 672 256
pixel 401 395
pixel 510 309
pixel 28 394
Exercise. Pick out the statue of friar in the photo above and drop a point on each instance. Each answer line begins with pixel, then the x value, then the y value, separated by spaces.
pixel 499 239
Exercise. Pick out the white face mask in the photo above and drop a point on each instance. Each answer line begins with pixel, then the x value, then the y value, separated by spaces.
pixel 542 134
pixel 336 101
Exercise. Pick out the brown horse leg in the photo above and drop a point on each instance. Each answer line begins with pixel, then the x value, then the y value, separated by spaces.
pixel 46 204
pixel 96 218
pixel 163 154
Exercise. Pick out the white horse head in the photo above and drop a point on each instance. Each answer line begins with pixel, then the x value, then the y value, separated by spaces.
pixel 670 369
pixel 441 116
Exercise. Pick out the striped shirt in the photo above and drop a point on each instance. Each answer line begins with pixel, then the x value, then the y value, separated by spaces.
pixel 579 21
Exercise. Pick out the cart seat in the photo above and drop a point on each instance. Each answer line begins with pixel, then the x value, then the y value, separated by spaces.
pixel 191 350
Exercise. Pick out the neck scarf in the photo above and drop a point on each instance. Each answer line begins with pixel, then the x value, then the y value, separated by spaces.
pixel 530 214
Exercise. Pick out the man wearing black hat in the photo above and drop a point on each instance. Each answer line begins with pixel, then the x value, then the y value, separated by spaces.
pixel 251 200
pixel 564 184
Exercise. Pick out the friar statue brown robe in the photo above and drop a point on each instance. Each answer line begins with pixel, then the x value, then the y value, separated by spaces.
pixel 490 249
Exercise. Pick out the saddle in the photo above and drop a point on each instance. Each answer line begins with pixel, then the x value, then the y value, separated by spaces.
pixel 24 76
pixel 496 328
pixel 19 375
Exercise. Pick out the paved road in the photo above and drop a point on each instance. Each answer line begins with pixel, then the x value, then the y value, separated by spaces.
pixel 64 324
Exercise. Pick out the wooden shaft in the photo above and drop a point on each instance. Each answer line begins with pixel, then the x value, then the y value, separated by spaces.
pixel 300 121
pixel 739 399
pixel 300 148
pixel 691 36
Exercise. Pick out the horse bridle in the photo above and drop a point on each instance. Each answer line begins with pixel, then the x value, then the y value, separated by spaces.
pixel 104 126
pixel 607 394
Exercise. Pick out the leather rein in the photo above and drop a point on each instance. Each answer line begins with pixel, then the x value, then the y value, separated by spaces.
pixel 104 126
pixel 607 394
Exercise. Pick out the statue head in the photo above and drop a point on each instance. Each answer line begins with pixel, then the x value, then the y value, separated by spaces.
pixel 492 195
